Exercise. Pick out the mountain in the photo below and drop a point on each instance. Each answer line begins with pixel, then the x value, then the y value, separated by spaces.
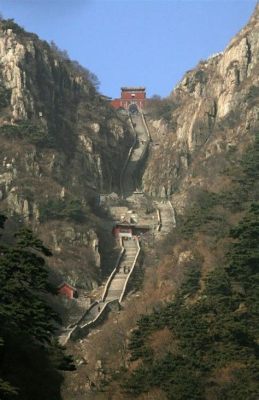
pixel 211 113
pixel 61 145
pixel 191 331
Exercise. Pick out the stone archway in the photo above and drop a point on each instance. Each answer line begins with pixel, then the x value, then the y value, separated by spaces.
pixel 133 108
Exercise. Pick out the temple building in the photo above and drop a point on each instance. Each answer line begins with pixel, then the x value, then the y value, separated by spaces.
pixel 132 99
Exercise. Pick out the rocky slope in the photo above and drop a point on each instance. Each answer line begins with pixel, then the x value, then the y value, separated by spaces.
pixel 191 331
pixel 59 143
pixel 210 114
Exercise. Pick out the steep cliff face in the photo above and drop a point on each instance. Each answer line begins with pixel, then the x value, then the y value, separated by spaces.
pixel 213 112
pixel 61 144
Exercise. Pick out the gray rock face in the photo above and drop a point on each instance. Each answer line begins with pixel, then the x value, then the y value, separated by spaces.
pixel 214 109
pixel 12 54
pixel 61 144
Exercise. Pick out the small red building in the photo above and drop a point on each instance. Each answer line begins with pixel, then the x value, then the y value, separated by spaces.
pixel 122 230
pixel 132 99
pixel 126 229
pixel 67 290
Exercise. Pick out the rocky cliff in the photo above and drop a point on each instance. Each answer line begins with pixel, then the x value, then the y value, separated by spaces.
pixel 211 114
pixel 191 331
pixel 61 144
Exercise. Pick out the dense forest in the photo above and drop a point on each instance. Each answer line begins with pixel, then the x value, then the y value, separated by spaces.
pixel 30 357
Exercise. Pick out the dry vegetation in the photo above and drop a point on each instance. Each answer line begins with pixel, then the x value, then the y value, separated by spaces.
pixel 190 254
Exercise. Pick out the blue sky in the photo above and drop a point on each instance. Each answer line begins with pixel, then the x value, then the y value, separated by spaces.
pixel 134 42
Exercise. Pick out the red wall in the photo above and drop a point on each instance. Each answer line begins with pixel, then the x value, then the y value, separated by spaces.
pixel 128 95
pixel 67 291
pixel 117 230
pixel 126 99
pixel 117 103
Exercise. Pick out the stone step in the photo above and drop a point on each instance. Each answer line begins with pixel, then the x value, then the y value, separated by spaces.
pixel 114 292
pixel 116 285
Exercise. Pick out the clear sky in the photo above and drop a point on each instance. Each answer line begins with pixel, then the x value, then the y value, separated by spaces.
pixel 134 42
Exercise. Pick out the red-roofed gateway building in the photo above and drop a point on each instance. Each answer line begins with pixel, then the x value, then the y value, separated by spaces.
pixel 132 99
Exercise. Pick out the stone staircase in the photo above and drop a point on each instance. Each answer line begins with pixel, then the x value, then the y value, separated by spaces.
pixel 118 282
pixel 114 293
pixel 129 176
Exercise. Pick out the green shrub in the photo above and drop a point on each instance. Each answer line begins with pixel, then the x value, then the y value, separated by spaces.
pixel 62 209
pixel 253 95
pixel 31 131
pixel 200 213
pixel 192 279
pixel 10 24
pixel 5 95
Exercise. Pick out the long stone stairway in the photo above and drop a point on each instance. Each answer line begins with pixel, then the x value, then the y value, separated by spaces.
pixel 138 151
pixel 115 290
pixel 116 285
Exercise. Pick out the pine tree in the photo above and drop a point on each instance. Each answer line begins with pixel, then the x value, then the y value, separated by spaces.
pixel 27 322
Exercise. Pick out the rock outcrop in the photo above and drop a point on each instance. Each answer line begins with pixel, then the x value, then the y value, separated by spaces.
pixel 214 111
pixel 61 145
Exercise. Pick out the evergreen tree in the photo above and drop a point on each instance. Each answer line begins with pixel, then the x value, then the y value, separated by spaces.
pixel 29 357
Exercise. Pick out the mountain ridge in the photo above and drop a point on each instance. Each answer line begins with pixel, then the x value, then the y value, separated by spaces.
pixel 62 144
pixel 205 100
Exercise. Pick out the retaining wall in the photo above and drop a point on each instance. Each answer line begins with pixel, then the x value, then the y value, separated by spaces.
pixel 82 331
